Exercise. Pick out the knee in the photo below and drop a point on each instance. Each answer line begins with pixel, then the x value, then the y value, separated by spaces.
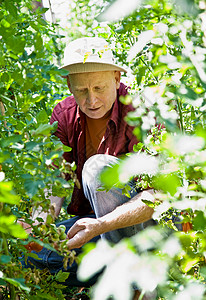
pixel 94 165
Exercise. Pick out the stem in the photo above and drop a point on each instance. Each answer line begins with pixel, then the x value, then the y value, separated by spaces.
pixel 2 109
pixel 141 295
pixel 149 68
pixel 180 114
pixel 52 13
pixel 6 251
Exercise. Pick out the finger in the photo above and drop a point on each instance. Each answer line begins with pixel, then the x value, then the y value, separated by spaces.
pixel 74 243
pixel 35 246
pixel 77 241
pixel 73 230
pixel 27 247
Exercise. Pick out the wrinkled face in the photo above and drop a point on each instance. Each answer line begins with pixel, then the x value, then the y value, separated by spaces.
pixel 94 92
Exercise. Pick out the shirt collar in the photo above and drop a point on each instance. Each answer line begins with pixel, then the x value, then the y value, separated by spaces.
pixel 80 117
pixel 122 91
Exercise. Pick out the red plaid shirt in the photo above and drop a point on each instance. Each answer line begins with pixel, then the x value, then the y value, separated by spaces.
pixel 118 139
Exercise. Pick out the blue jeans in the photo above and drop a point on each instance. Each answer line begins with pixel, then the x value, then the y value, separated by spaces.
pixel 54 262
pixel 102 202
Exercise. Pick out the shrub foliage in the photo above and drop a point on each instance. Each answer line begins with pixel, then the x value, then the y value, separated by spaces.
pixel 163 44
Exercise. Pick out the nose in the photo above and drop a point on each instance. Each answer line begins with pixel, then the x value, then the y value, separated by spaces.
pixel 91 99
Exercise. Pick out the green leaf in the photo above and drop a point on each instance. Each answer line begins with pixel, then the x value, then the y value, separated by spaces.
pixel 17 282
pixel 189 264
pixel 34 255
pixel 43 129
pixel 38 43
pixel 2 282
pixel 6 98
pixel 42 117
pixel 8 225
pixel 33 146
pixel 18 231
pixel 5 23
pixel 167 183
pixel 151 204
pixel 45 296
pixel 199 221
pixel 126 191
pixel 54 126
pixel 110 176
pixel 31 187
pixel 11 140
pixel 49 219
pixel 8 220
pixel 126 99
pixel 5 259
pixel 16 44
pixel 6 195
pixel 10 6
pixel 66 148
pixel 62 276
pixel 63 73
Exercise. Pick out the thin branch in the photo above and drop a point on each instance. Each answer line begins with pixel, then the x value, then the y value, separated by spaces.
pixel 3 112
pixel 52 13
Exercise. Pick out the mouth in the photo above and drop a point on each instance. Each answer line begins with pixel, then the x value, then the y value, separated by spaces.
pixel 94 109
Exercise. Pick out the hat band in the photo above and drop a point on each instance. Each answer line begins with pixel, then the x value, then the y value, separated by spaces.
pixel 91 67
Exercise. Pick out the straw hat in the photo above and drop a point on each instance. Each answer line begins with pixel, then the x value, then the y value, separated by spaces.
pixel 89 54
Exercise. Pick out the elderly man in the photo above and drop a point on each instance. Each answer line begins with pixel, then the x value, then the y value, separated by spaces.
pixel 92 123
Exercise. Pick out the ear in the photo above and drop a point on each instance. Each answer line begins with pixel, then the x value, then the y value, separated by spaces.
pixel 69 84
pixel 117 75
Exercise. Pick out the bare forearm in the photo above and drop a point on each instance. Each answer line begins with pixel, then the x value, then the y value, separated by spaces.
pixel 131 213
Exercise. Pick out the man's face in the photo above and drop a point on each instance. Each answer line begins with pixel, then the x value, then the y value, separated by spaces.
pixel 94 92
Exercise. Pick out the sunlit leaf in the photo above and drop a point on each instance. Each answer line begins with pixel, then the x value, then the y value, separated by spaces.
pixel 193 290
pixel 121 9
pixel 6 195
pixel 137 164
pixel 143 39
pixel 110 176
pixel 18 231
pixel 199 221
pixel 66 148
pixel 167 183
pixel 189 264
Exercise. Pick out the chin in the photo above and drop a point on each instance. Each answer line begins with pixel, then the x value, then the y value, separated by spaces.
pixel 95 115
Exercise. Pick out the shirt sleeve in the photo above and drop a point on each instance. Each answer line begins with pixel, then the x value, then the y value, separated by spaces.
pixel 59 115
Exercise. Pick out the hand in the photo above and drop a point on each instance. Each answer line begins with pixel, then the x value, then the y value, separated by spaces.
pixel 82 232
pixel 32 245
pixel 26 226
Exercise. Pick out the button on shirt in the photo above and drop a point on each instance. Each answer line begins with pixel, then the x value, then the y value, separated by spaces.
pixel 117 140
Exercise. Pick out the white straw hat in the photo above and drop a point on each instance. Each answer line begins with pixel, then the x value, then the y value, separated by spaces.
pixel 89 54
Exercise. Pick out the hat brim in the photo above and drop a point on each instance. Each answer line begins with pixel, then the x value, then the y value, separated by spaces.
pixel 91 67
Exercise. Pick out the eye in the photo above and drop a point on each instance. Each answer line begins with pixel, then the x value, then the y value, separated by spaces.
pixel 99 88
pixel 83 91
